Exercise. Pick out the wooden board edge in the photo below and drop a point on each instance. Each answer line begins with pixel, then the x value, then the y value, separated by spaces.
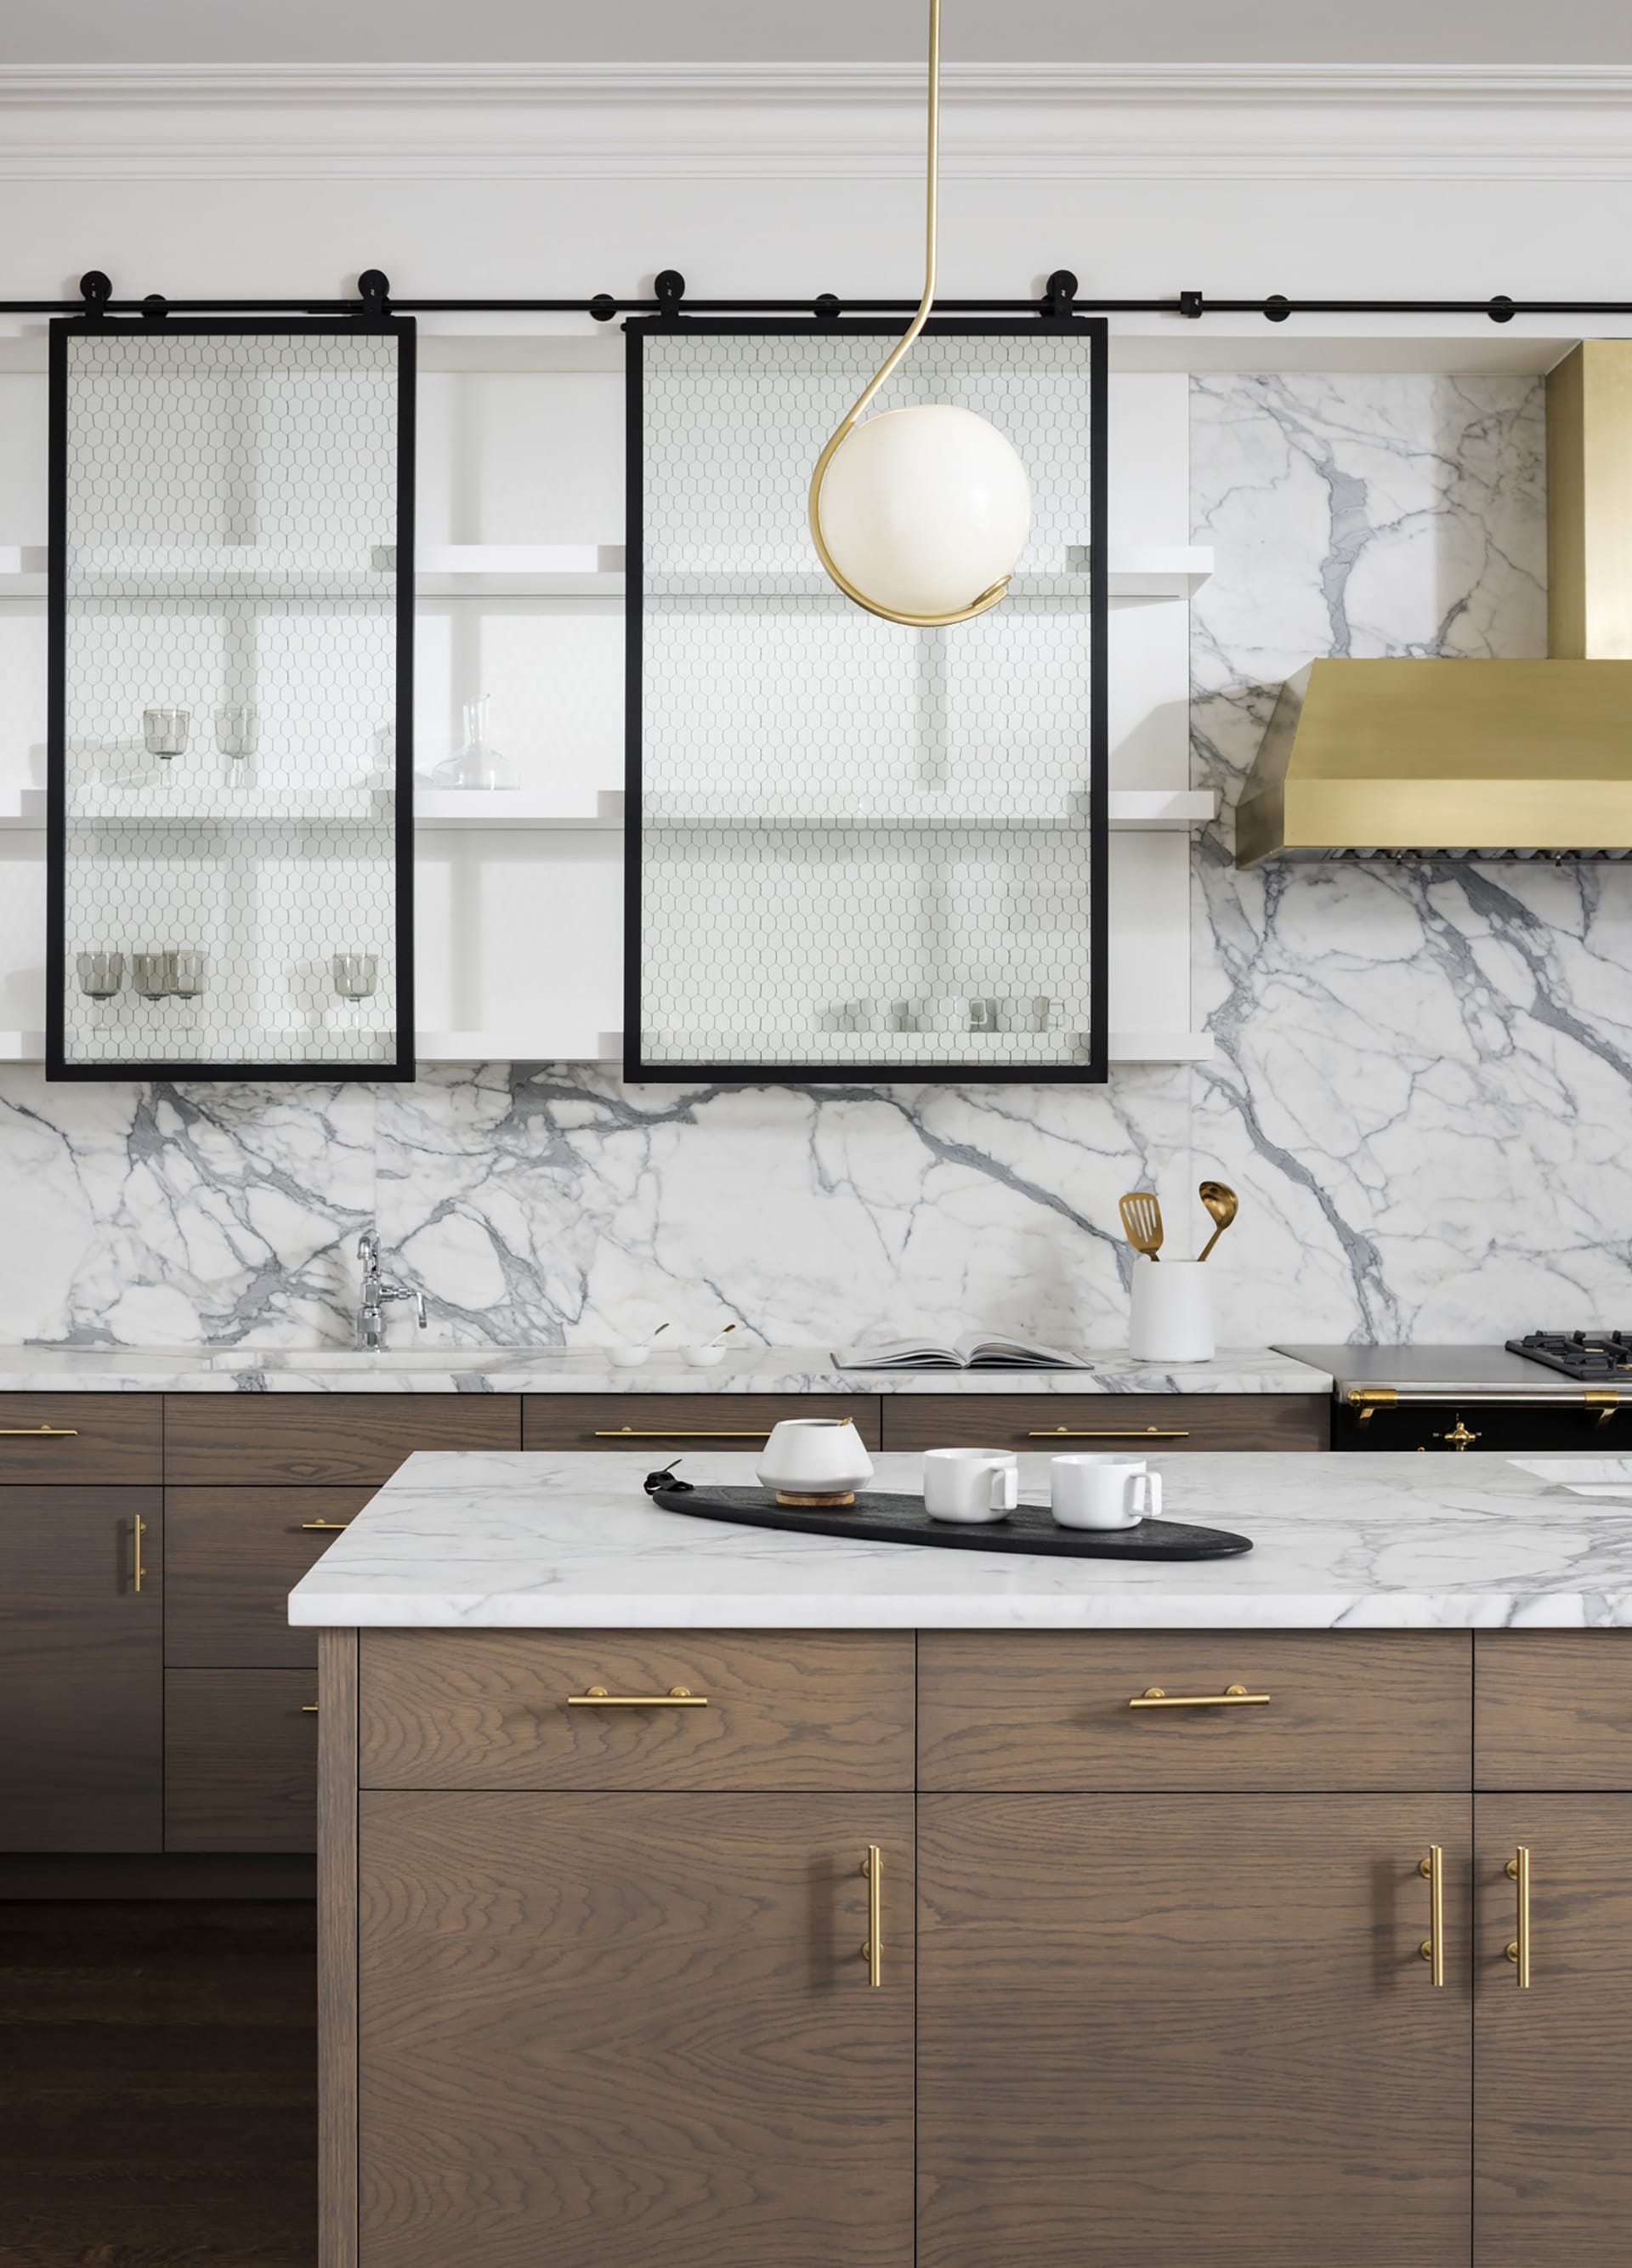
pixel 337 1948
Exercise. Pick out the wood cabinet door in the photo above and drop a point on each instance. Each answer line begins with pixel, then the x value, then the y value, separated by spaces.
pixel 633 2031
pixel 81 1669
pixel 1553 2063
pixel 1169 2030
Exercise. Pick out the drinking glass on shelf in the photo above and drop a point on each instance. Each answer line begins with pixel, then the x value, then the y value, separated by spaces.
pixel 154 974
pixel 101 974
pixel 238 729
pixel 189 972
pixel 356 975
pixel 165 730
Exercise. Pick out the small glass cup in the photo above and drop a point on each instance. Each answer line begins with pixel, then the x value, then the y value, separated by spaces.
pixel 189 972
pixel 238 729
pixel 165 730
pixel 101 974
pixel 356 975
pixel 154 974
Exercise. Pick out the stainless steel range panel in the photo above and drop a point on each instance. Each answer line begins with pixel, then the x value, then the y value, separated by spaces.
pixel 1431 1398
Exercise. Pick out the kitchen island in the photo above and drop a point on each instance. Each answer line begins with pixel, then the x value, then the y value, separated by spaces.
pixel 691 1894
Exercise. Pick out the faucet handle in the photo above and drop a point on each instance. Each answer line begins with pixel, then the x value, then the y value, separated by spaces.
pixel 419 1306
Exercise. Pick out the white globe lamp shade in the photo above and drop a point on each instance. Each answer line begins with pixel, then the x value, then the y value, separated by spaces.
pixel 923 509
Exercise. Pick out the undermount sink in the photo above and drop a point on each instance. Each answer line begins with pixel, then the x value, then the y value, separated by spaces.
pixel 388 1359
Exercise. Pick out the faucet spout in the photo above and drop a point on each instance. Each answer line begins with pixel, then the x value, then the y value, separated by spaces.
pixel 376 1294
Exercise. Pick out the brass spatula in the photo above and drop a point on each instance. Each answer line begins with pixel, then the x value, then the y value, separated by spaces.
pixel 1142 1220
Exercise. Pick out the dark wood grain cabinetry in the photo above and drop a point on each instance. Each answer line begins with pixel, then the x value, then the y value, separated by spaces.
pixel 323 1440
pixel 1168 1425
pixel 668 1421
pixel 81 1667
pixel 240 1760
pixel 605 2001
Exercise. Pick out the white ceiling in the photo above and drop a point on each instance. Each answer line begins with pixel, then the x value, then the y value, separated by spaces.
pixel 1421 31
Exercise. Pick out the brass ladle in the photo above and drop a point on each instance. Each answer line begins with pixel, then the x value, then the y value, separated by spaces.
pixel 1221 1202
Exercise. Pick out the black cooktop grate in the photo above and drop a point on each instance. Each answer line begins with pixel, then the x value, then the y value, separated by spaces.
pixel 1579 1354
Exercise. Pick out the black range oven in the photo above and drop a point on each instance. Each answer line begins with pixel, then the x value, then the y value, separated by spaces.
pixel 1553 1391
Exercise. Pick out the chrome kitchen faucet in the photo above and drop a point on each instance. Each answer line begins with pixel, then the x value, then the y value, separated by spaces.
pixel 376 1293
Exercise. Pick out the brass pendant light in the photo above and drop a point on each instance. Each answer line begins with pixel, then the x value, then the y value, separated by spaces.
pixel 922 506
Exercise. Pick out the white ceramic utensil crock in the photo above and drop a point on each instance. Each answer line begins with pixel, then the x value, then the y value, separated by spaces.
pixel 971 1486
pixel 1172 1312
pixel 814 1461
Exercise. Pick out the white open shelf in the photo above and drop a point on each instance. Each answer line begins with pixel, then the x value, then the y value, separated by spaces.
pixel 1130 811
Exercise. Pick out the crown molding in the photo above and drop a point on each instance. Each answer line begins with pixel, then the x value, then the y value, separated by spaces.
pixel 816 121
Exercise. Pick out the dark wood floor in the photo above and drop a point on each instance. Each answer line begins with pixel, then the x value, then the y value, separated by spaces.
pixel 158 2085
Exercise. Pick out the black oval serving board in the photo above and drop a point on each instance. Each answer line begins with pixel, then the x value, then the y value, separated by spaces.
pixel 876 1518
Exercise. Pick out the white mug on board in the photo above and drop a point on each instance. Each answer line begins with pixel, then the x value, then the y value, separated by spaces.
pixel 970 1486
pixel 1102 1492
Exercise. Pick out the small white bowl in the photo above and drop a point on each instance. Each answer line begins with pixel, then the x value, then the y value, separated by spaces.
pixel 629 1358
pixel 702 1358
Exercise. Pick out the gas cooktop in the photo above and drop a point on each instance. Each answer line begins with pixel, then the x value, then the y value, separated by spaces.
pixel 1579 1354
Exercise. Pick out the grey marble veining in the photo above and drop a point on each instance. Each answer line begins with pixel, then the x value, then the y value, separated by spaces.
pixel 570 1542
pixel 1419 1089
pixel 560 1370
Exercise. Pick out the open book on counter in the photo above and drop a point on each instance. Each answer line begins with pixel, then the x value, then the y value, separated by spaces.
pixel 984 1350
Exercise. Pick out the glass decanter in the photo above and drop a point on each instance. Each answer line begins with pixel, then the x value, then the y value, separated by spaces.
pixel 478 763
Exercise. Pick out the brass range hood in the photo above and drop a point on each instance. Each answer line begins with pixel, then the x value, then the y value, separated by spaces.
pixel 1451 760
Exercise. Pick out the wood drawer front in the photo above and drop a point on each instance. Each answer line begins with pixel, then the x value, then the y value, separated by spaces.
pixel 240 1760
pixel 811 1709
pixel 88 1439
pixel 667 1421
pixel 1166 1424
pixel 1048 1711
pixel 324 1440
pixel 231 1558
pixel 1553 1709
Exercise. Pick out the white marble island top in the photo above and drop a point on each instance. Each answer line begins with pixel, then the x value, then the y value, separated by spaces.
pixel 541 1540
pixel 407 1369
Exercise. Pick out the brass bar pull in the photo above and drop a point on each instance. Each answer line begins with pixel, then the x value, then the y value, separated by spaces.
pixel 39 1433
pixel 137 1571
pixel 1109 1434
pixel 1518 1870
pixel 680 1434
pixel 323 1527
pixel 308 1708
pixel 1233 1697
pixel 678 1697
pixel 872 1952
pixel 1433 1947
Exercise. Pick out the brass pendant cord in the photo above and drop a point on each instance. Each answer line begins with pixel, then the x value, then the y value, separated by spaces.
pixel 853 416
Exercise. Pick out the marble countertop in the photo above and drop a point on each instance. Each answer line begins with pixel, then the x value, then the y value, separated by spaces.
pixel 538 1540
pixel 558 1370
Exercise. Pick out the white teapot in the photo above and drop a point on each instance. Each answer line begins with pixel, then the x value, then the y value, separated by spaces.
pixel 814 1461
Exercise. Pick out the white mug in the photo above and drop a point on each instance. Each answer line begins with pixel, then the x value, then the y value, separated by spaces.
pixel 1095 1490
pixel 972 1486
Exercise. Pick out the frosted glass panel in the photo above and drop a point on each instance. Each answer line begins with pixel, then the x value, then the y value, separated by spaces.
pixel 859 845
pixel 230 609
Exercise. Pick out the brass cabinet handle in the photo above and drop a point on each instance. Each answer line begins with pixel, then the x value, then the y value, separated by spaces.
pixel 678 1697
pixel 1233 1697
pixel 138 1570
pixel 680 1434
pixel 1518 1870
pixel 1433 1947
pixel 39 1433
pixel 323 1527
pixel 1109 1434
pixel 308 1708
pixel 872 1952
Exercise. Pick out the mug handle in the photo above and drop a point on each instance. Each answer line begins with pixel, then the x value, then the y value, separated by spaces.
pixel 1146 1485
pixel 1006 1487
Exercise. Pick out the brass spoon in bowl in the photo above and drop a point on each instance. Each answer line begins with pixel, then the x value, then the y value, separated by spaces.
pixel 1142 1219
pixel 1220 1201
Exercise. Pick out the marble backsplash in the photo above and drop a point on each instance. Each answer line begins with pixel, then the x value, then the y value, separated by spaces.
pixel 1421 1084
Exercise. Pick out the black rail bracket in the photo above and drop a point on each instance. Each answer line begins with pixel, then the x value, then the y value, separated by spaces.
pixel 96 290
pixel 1500 309
pixel 1278 307
pixel 670 290
pixel 603 307
pixel 155 307
pixel 827 307
pixel 1059 303
pixel 1192 306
